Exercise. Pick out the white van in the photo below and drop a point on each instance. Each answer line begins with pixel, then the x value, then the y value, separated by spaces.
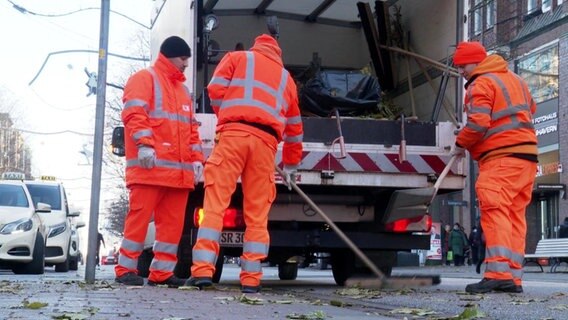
pixel 58 251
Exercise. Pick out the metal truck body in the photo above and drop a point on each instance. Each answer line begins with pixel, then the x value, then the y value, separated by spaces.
pixel 355 190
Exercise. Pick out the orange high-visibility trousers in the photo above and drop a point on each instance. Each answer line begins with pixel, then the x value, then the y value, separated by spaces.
pixel 168 206
pixel 237 153
pixel 504 189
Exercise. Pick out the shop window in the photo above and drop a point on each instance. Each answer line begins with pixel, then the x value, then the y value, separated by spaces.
pixel 540 71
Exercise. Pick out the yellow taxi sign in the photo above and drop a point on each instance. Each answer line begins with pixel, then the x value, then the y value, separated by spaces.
pixel 47 178
pixel 13 176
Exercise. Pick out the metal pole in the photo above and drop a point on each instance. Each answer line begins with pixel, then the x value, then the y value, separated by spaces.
pixel 98 144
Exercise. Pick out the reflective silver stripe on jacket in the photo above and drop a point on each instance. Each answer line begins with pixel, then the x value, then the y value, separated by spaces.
pixel 510 111
pixel 249 83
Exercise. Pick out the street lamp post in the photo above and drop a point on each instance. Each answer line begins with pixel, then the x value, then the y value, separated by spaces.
pixel 98 144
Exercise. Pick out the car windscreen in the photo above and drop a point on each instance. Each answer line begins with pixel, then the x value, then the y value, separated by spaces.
pixel 13 196
pixel 49 194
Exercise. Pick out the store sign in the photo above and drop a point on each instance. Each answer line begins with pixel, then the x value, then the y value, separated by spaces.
pixel 545 123
pixel 548 168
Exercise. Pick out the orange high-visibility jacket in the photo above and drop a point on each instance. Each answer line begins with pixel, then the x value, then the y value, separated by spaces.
pixel 158 113
pixel 499 110
pixel 254 87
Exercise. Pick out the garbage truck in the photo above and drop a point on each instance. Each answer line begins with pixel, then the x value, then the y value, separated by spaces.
pixel 380 106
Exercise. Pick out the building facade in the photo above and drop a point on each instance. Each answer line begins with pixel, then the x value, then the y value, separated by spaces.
pixel 533 36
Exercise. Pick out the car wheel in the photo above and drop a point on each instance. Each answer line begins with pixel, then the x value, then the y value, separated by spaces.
pixel 73 263
pixel 288 271
pixel 38 263
pixel 144 261
pixel 63 266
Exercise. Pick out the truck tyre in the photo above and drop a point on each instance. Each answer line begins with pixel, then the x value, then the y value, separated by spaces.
pixel 342 266
pixel 144 261
pixel 288 271
pixel 37 265
pixel 219 267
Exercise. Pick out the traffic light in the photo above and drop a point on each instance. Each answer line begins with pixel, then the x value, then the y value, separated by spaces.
pixel 92 82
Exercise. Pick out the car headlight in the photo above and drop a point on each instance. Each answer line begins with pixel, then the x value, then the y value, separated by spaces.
pixel 21 225
pixel 57 229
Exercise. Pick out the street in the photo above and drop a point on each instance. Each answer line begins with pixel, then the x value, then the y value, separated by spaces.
pixel 313 295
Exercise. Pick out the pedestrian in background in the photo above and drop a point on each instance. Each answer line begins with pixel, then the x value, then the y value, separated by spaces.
pixel 500 136
pixel 475 243
pixel 256 103
pixel 100 240
pixel 458 244
pixel 163 163
pixel 446 245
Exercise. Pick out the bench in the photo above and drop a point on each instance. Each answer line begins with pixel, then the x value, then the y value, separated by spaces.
pixel 554 250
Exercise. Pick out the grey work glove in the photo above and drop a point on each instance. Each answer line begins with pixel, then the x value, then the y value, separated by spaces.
pixel 146 157
pixel 197 171
pixel 290 175
pixel 458 152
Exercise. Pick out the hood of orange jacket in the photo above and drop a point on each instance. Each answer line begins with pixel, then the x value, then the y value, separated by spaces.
pixel 169 69
pixel 268 46
pixel 492 64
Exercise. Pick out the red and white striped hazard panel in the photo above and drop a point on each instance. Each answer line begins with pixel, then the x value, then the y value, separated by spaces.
pixel 372 162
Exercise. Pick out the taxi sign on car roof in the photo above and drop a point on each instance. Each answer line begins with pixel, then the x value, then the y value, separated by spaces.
pixel 47 178
pixel 13 176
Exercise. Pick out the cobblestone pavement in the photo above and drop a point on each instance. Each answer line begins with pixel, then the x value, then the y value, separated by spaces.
pixel 312 296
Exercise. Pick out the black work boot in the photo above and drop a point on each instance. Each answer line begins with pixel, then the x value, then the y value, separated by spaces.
pixel 200 282
pixel 488 285
pixel 515 289
pixel 250 289
pixel 171 282
pixel 130 279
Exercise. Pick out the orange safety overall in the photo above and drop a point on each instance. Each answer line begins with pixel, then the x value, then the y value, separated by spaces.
pixel 256 102
pixel 500 135
pixel 158 113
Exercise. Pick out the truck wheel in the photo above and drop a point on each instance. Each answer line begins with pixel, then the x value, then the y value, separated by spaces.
pixel 38 263
pixel 342 266
pixel 288 271
pixel 219 267
pixel 144 261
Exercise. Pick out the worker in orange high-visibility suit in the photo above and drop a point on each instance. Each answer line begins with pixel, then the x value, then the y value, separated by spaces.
pixel 163 162
pixel 499 134
pixel 256 103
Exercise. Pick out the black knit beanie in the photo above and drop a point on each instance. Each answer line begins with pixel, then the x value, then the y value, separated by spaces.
pixel 174 47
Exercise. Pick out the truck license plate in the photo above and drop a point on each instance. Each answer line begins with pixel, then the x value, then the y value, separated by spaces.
pixel 232 238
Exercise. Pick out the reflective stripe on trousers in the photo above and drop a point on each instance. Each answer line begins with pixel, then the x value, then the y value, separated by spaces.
pixel 168 206
pixel 504 189
pixel 237 154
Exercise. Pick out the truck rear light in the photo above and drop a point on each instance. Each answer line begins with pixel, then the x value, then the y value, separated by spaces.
pixel 417 224
pixel 233 218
